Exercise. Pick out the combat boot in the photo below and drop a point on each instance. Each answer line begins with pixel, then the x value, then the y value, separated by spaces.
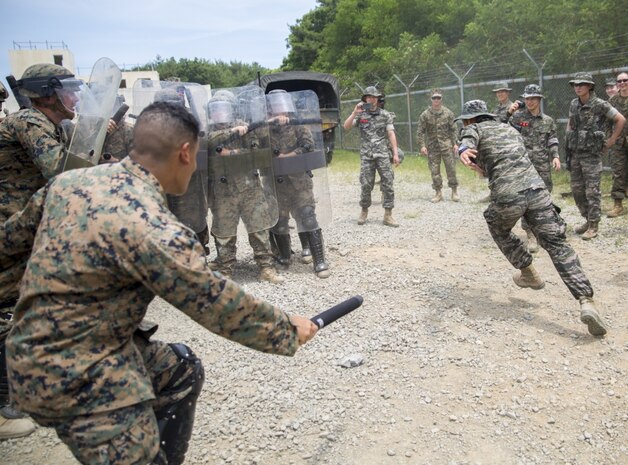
pixel 268 273
pixel 15 428
pixel 617 210
pixel 454 194
pixel 582 228
pixel 590 317
pixel 438 196
pixel 281 247
pixel 306 253
pixel 388 219
pixel 528 277
pixel 533 245
pixel 363 215
pixel 591 232
pixel 318 253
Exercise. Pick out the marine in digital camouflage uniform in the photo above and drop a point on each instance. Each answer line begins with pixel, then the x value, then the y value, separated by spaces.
pixel 295 192
pixel 502 93
pixel 237 196
pixel 517 191
pixel 586 139
pixel 619 151
pixel 436 135
pixel 79 358
pixel 538 131
pixel 377 130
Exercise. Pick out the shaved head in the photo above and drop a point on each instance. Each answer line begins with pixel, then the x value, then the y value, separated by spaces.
pixel 162 128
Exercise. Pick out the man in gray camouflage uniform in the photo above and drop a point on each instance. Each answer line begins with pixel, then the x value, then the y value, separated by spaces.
pixel 619 151
pixel 376 131
pixel 517 191
pixel 502 93
pixel 436 135
pixel 80 359
pixel 540 139
pixel 586 140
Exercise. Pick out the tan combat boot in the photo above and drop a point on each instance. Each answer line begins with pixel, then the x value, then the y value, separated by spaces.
pixel 268 273
pixel 590 317
pixel 454 194
pixel 15 428
pixel 617 210
pixel 363 215
pixel 533 245
pixel 591 232
pixel 582 228
pixel 388 219
pixel 438 196
pixel 528 277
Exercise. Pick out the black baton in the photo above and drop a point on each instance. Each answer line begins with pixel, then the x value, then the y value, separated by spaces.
pixel 337 311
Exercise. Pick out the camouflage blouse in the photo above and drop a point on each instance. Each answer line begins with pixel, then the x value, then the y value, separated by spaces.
pixel 106 246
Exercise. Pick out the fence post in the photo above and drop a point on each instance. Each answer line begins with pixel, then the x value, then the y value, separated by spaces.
pixel 460 82
pixel 540 70
pixel 407 87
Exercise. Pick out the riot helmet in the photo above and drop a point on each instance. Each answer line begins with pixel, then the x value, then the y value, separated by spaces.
pixel 221 107
pixel 279 102
pixel 45 80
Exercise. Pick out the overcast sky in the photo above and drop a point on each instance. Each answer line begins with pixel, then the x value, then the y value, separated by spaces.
pixel 136 31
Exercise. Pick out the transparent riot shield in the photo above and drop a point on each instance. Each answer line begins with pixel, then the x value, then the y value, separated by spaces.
pixel 240 162
pixel 299 163
pixel 94 108
pixel 190 208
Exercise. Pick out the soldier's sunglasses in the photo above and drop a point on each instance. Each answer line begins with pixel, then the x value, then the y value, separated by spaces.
pixel 621 81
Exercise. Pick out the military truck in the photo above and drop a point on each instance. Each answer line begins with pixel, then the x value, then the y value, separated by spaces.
pixel 326 88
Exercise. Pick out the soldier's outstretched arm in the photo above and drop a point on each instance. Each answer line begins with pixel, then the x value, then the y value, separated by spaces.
pixel 171 262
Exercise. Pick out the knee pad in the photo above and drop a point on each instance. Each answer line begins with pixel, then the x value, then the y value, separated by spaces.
pixel 307 216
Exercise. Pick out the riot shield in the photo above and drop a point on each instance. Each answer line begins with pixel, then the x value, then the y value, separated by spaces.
pixel 299 163
pixel 240 162
pixel 95 106
pixel 191 207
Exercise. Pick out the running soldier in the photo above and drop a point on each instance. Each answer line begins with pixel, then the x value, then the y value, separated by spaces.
pixel 517 191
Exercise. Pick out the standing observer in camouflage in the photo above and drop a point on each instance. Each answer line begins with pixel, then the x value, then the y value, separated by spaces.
pixel 79 359
pixel 619 150
pixel 586 139
pixel 540 139
pixel 517 191
pixel 376 131
pixel 436 135
pixel 502 94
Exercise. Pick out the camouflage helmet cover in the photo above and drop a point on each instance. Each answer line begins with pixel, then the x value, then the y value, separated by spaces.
pixel 41 80
pixel 582 78
pixel 610 82
pixel 532 90
pixel 501 86
pixel 473 109
pixel 371 90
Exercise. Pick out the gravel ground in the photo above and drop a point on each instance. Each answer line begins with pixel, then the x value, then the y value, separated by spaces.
pixel 458 365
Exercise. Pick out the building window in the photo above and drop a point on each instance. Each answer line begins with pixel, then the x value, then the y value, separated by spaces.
pixel 58 59
pixel 123 84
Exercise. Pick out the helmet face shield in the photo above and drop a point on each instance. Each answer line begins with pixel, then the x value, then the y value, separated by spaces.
pixel 70 92
pixel 279 102
pixel 220 112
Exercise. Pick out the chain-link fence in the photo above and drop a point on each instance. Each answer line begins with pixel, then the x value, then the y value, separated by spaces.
pixel 458 88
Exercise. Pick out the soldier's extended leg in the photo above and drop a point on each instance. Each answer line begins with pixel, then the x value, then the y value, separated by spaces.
pixel 500 220
pixel 550 229
pixel 226 249
pixel 433 160
pixel 579 195
pixel 263 256
pixel 619 163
